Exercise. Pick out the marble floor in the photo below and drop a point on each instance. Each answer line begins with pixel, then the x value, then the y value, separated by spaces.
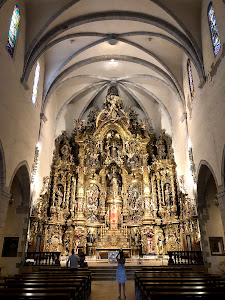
pixel 108 290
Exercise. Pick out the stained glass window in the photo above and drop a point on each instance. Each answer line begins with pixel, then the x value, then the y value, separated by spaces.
pixel 213 29
pixel 13 30
pixel 190 79
pixel 35 86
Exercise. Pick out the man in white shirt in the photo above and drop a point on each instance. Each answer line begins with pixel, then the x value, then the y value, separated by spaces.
pixel 73 259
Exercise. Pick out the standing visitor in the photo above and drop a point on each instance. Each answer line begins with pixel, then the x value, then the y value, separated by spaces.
pixel 73 259
pixel 121 277
pixel 83 263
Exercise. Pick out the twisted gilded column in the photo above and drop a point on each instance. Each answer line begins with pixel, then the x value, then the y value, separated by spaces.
pixel 80 218
pixel 147 200
pixel 103 194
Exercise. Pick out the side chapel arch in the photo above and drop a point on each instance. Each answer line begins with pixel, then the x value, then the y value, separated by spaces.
pixel 17 220
pixel 212 233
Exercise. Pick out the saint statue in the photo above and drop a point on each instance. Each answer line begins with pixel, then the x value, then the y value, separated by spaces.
pixel 59 195
pixel 160 244
pixel 114 182
pixel 113 151
pixel 168 194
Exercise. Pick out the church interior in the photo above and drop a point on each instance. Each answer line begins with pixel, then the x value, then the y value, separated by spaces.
pixel 112 130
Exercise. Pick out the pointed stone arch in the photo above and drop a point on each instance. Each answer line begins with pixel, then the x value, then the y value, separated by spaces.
pixel 16 217
pixel 209 215
pixel 204 172
pixel 23 174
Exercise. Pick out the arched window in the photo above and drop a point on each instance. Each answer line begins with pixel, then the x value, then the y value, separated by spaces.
pixel 13 30
pixel 213 29
pixel 35 86
pixel 190 79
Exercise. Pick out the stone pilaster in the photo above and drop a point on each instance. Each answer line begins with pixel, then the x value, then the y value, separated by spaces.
pixel 221 201
pixel 5 196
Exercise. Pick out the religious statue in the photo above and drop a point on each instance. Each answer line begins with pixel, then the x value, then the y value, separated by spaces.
pixel 137 238
pixel 150 240
pixel 67 244
pixel 114 182
pixel 79 124
pixel 90 237
pixel 168 194
pixel 91 118
pixel 107 149
pixel 46 180
pixel 160 244
pixel 161 149
pixel 113 151
pixel 66 153
pixel 59 195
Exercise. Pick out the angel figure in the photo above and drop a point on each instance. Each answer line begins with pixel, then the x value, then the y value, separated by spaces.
pixel 79 123
pixel 78 169
pixel 107 149
pixel 46 180
pixel 144 123
pixel 98 144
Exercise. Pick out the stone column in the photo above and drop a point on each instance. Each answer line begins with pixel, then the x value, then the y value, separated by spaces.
pixel 221 201
pixel 5 197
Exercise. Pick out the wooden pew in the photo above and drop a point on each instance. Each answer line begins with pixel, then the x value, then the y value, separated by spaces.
pixel 72 292
pixel 48 281
pixel 174 295
pixel 68 274
pixel 76 284
pixel 149 290
pixel 33 296
pixel 168 268
pixel 149 284
pixel 36 280
pixel 63 278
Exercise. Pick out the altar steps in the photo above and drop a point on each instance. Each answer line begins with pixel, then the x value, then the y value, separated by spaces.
pixel 109 272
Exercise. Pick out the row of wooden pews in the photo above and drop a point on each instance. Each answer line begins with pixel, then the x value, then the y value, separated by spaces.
pixel 153 283
pixel 48 283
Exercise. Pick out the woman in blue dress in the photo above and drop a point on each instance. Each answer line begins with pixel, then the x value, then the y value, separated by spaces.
pixel 121 277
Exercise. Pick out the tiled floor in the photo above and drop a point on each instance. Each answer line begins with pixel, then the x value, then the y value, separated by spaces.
pixel 108 290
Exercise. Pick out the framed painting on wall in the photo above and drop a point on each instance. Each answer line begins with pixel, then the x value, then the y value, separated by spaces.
pixel 10 247
pixel 216 246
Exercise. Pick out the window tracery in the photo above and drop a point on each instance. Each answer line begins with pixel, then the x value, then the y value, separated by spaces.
pixel 13 30
pixel 213 29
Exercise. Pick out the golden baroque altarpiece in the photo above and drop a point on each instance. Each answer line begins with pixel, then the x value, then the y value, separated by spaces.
pixel 113 184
